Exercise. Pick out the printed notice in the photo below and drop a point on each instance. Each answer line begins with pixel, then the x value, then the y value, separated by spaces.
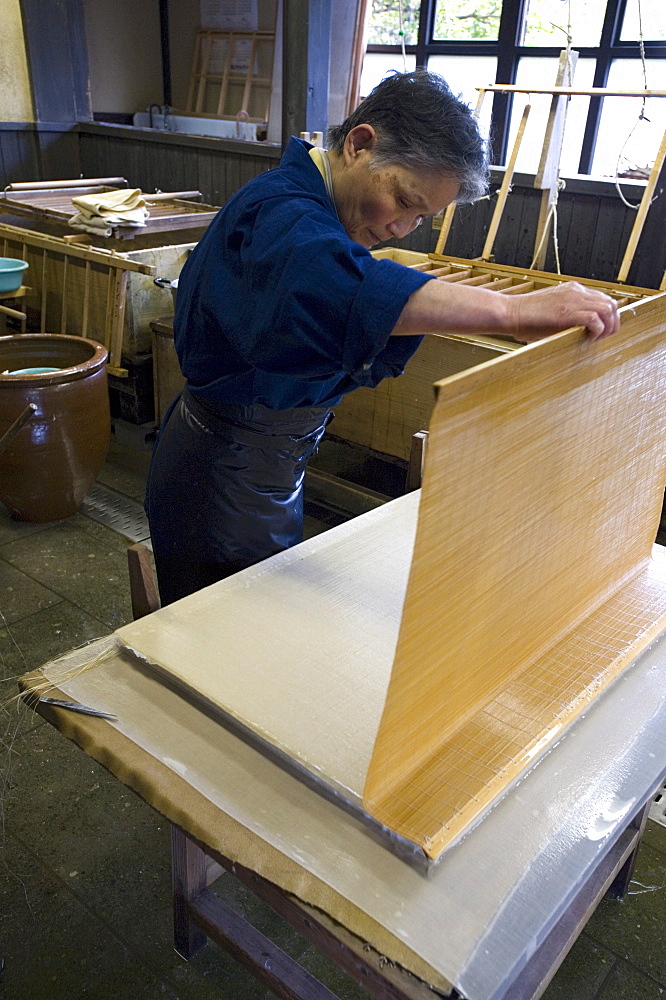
pixel 229 15
pixel 240 56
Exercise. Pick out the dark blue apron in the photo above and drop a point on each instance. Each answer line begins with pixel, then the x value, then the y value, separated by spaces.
pixel 225 488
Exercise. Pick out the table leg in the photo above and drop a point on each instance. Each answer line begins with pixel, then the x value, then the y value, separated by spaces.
pixel 189 870
pixel 620 884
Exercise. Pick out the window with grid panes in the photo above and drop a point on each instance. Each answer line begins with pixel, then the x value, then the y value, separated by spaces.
pixel 473 43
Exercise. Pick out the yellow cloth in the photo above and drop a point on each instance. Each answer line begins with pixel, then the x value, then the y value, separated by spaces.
pixel 114 207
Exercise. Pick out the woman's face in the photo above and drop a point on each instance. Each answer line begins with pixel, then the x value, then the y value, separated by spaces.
pixel 379 204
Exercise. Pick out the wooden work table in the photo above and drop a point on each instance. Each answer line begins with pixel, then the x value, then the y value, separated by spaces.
pixel 491 922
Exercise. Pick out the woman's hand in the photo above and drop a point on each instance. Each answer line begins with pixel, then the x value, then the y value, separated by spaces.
pixel 442 308
pixel 539 314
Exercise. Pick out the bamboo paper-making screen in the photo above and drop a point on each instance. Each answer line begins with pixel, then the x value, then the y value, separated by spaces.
pixel 530 588
pixel 532 584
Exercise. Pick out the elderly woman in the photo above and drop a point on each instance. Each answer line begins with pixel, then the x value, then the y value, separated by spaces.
pixel 282 310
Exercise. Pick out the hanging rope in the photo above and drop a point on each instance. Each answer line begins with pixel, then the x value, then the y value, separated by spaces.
pixel 401 32
pixel 642 116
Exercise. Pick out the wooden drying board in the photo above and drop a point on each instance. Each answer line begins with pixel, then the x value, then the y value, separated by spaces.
pixel 531 585
pixel 169 211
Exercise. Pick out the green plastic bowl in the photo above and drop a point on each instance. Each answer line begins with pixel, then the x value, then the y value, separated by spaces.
pixel 11 273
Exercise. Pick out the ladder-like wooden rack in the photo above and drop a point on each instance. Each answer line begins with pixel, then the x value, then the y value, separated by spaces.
pixel 546 178
pixel 218 89
pixel 77 290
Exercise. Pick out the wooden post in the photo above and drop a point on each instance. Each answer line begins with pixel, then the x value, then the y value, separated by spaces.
pixel 450 211
pixel 115 318
pixel 188 865
pixel 642 212
pixel 305 59
pixel 547 176
pixel 504 189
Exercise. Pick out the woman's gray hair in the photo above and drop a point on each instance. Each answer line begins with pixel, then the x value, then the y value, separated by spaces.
pixel 422 126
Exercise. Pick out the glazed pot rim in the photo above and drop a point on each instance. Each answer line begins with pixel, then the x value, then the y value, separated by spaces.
pixel 96 361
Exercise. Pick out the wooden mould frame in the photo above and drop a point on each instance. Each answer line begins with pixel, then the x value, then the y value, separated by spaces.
pixel 67 274
pixel 533 582
pixel 386 418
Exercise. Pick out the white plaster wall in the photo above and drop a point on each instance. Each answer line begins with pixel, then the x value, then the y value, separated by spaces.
pixel 15 96
pixel 124 54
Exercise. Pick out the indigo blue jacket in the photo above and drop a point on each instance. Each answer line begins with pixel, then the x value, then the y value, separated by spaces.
pixel 277 305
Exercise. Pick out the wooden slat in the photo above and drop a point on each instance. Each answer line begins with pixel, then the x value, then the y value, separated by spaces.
pixel 63 308
pixel 509 88
pixel 77 182
pixel 54 243
pixel 505 187
pixel 646 201
pixel 42 311
pixel 115 315
pixel 245 102
pixel 86 301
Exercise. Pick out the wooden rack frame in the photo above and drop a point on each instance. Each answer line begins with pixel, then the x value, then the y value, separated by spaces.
pixel 545 177
pixel 66 278
pixel 210 93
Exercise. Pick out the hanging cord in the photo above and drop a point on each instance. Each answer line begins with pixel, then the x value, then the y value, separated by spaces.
pixel 401 32
pixel 552 215
pixel 642 116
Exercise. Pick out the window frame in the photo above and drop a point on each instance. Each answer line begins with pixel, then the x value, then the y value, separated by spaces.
pixel 508 52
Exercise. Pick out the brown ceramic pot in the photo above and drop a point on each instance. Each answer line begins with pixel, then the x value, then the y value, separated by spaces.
pixel 49 464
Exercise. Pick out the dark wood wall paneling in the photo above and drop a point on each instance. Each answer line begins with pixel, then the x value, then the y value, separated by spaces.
pixel 33 151
pixel 171 162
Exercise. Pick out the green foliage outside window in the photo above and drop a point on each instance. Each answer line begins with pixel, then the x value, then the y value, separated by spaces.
pixel 384 26
pixel 461 19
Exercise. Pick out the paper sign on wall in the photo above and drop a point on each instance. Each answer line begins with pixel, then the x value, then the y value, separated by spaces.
pixel 229 15
pixel 240 56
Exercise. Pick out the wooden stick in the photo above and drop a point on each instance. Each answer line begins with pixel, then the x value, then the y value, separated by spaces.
pixel 115 319
pixel 225 74
pixel 42 310
pixel 447 221
pixel 205 61
pixel 245 103
pixel 76 183
pixel 509 88
pixel 63 309
pixel 86 301
pixel 446 227
pixel 639 221
pixel 504 189
pixel 548 173
pixel 20 422
pixel 57 245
